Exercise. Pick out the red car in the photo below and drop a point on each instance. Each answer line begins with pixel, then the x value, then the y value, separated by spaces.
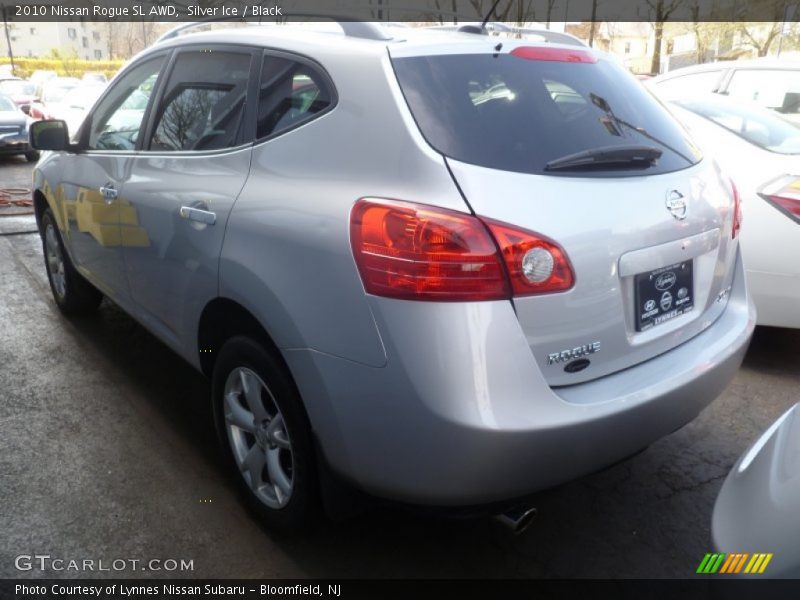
pixel 53 92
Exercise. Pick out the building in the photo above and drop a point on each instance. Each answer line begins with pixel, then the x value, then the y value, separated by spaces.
pixel 34 39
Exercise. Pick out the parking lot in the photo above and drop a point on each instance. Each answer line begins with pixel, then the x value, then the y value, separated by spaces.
pixel 107 451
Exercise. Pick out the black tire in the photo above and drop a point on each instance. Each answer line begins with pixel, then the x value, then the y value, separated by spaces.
pixel 77 296
pixel 303 506
pixel 32 156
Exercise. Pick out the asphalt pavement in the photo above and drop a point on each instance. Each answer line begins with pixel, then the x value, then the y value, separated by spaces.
pixel 107 452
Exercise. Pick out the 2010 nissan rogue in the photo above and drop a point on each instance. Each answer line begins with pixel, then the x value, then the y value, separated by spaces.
pixel 447 268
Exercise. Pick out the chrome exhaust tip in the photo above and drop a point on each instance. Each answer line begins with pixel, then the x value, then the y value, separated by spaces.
pixel 517 519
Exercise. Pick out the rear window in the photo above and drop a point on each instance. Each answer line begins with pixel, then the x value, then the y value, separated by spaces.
pixel 506 112
pixel 758 126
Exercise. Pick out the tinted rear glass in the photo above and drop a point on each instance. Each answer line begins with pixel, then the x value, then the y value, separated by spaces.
pixel 506 112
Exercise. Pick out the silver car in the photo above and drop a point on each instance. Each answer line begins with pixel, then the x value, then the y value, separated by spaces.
pixel 436 267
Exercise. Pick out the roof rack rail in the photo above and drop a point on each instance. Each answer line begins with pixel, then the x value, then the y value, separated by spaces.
pixel 351 26
pixel 497 27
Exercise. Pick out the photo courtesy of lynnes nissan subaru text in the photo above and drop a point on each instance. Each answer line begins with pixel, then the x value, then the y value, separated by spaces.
pixel 446 269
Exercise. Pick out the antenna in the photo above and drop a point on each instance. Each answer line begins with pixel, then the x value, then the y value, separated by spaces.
pixel 482 29
pixel 489 14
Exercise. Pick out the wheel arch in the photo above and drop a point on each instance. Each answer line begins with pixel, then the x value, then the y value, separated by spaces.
pixel 40 204
pixel 221 319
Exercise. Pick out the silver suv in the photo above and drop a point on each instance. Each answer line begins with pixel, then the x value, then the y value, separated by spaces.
pixel 437 267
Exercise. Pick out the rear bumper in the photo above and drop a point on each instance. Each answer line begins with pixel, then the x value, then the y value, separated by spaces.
pixel 460 415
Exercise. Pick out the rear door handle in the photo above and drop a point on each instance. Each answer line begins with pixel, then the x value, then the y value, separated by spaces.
pixel 109 193
pixel 201 216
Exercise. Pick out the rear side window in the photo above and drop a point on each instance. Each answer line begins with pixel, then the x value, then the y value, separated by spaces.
pixel 291 93
pixel 758 126
pixel 770 88
pixel 688 85
pixel 203 104
pixel 515 114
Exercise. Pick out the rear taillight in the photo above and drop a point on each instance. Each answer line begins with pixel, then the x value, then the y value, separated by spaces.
pixel 737 211
pixel 784 194
pixel 419 252
pixel 536 264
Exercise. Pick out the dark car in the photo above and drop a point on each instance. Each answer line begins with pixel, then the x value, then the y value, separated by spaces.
pixel 14 130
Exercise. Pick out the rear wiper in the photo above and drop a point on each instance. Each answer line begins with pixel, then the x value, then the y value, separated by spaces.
pixel 603 105
pixel 629 155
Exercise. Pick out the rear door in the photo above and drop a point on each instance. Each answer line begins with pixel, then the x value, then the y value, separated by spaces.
pixel 182 186
pixel 650 241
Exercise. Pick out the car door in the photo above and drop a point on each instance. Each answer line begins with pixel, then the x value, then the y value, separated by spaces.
pixel 89 195
pixel 194 161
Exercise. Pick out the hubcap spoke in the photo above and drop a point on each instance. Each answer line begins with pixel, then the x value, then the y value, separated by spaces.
pixel 237 415
pixel 55 261
pixel 253 466
pixel 276 432
pixel 251 387
pixel 280 482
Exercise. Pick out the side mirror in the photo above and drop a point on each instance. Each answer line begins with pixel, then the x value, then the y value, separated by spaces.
pixel 49 135
pixel 26 108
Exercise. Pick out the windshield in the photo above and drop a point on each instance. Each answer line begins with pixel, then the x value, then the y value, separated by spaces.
pixel 56 93
pixel 17 88
pixel 507 112
pixel 6 104
pixel 84 97
pixel 136 101
pixel 758 126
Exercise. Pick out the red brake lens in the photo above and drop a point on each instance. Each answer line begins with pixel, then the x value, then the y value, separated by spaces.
pixel 553 54
pixel 418 252
pixel 536 264
pixel 784 194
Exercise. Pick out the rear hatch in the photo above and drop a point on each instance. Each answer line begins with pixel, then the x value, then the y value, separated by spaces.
pixel 565 143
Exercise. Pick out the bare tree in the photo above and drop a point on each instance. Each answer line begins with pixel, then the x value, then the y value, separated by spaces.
pixel 760 35
pixel 520 11
pixel 661 11
pixel 593 26
pixel 549 13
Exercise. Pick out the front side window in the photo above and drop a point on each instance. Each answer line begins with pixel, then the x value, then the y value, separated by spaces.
pixel 291 93
pixel 118 119
pixel 203 104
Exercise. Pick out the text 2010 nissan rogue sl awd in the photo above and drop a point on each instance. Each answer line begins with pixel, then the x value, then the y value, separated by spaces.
pixel 449 269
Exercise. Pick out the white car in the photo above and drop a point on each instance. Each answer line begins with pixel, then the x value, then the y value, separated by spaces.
pixel 762 152
pixel 768 82
pixel 76 104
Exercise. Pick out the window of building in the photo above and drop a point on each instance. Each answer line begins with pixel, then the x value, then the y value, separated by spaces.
pixel 72 33
pixel 98 54
pixel 85 42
